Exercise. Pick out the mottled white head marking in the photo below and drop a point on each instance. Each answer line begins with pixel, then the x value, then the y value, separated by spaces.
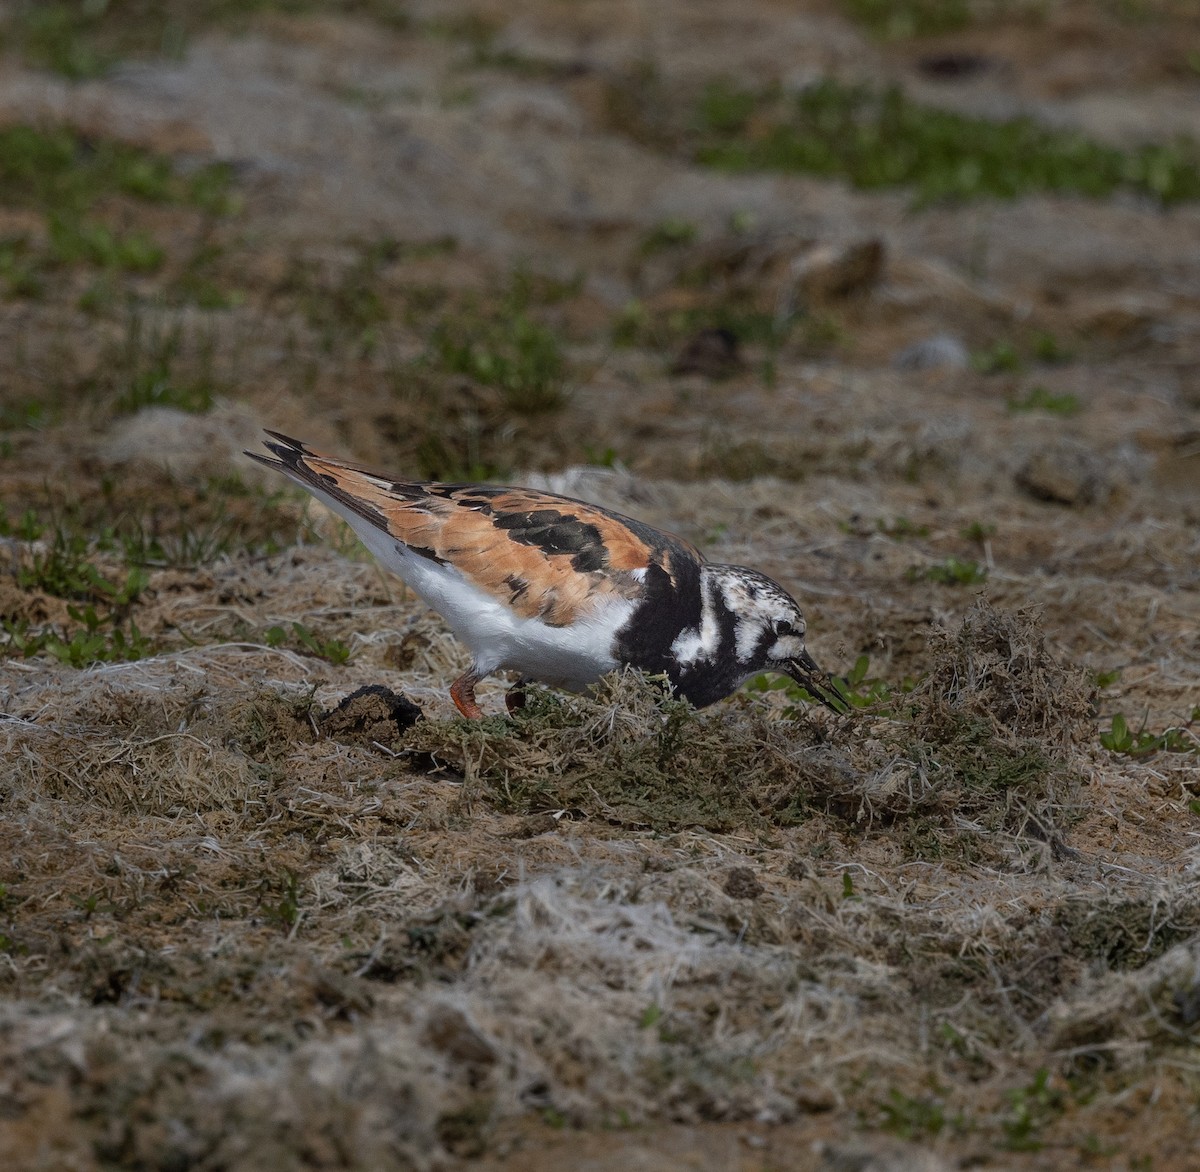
pixel 768 623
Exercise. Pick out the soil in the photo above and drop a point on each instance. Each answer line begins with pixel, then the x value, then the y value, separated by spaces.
pixel 255 912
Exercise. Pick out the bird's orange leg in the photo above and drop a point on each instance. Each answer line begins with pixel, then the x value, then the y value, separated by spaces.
pixel 462 692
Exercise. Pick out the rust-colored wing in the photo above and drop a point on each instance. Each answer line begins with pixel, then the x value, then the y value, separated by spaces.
pixel 546 556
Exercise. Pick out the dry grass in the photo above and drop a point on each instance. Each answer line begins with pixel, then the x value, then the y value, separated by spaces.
pixel 253 916
pixel 612 910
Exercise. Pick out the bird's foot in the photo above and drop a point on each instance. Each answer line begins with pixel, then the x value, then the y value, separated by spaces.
pixel 462 692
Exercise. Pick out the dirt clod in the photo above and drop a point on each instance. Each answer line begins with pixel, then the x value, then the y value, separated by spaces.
pixel 742 883
pixel 371 715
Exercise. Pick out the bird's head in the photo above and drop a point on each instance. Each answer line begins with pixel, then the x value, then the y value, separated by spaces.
pixel 768 633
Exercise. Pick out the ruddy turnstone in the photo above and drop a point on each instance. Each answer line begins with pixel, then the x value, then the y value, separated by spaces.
pixel 559 590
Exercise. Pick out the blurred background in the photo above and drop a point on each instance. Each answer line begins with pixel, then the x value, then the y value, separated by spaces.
pixel 910 288
pixel 896 300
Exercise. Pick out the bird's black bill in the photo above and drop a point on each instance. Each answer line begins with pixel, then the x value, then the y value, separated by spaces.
pixel 817 683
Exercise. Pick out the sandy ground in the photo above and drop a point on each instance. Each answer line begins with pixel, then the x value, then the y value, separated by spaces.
pixel 240 929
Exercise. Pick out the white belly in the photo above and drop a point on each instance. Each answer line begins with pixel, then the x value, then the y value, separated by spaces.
pixel 570 657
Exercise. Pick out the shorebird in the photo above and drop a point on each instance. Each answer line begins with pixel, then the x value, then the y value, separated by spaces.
pixel 561 591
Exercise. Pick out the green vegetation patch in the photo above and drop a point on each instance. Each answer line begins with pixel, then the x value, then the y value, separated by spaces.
pixel 71 180
pixel 81 39
pixel 877 139
pixel 1121 738
pixel 68 172
pixel 985 738
pixel 1039 398
pixel 508 346
pixel 632 756
pixel 1126 933
pixel 909 18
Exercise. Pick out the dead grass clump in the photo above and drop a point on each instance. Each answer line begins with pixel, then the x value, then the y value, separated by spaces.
pixel 371 715
pixel 161 775
pixel 989 732
pixel 633 757
pixel 1126 932
pixel 146 742
pixel 997 670
pixel 1156 1005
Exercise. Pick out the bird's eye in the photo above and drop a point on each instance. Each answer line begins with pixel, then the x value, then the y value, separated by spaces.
pixel 783 627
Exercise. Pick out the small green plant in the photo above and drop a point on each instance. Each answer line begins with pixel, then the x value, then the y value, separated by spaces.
pixel 1030 1109
pixel 913 1118
pixel 856 689
pixel 1047 348
pixel 879 139
pixel 516 354
pixel 27 527
pixel 896 19
pixel 149 370
pixel 286 910
pixel 65 570
pixel 951 571
pixel 999 358
pixel 1039 398
pixel 901 527
pixel 1120 738
pixel 667 234
pixel 1105 679
pixel 97 640
pixel 332 650
pixel 978 531
pixel 75 240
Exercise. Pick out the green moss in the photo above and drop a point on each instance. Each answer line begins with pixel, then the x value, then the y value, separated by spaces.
pixel 909 18
pixel 878 139
pixel 63 172
pixel 1039 398
pixel 631 757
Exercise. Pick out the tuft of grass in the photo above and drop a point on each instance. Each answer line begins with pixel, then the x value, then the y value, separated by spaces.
pixel 80 241
pixel 978 743
pixel 55 36
pixel 1031 1108
pixel 877 139
pixel 1000 358
pixel 632 755
pixel 148 369
pixel 1039 398
pixel 672 232
pixel 896 19
pixel 82 39
pixel 519 356
pixel 1048 349
pixel 353 306
pixel 507 348
pixel 64 569
pixel 26 528
pixel 1120 738
pixel 331 650
pixel 978 531
pixel 95 640
pixel 951 571
pixel 914 1117
pixel 901 527
pixel 71 180
pixel 62 172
